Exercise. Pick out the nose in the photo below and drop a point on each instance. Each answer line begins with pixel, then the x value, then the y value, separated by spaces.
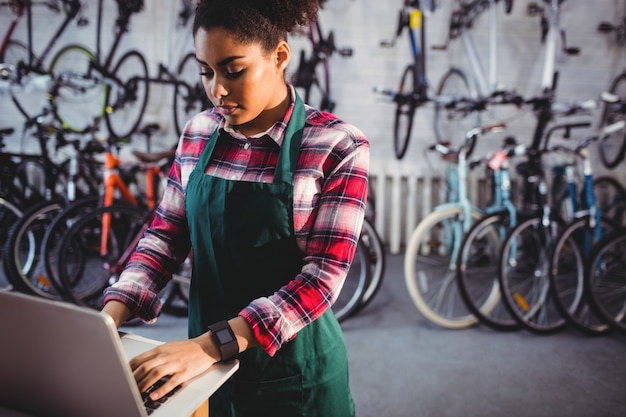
pixel 218 88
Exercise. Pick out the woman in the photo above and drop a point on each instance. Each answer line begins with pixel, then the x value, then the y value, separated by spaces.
pixel 269 195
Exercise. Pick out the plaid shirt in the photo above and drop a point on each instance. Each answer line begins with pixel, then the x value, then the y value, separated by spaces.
pixel 330 188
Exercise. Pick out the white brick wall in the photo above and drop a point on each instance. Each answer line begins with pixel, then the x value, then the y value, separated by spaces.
pixel 361 25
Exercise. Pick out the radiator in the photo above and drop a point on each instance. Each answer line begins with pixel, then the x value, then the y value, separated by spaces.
pixel 401 196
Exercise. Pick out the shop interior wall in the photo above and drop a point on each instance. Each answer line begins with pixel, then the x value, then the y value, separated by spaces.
pixel 361 25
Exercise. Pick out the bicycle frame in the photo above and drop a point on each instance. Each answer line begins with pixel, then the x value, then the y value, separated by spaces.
pixel 113 182
pixel 36 64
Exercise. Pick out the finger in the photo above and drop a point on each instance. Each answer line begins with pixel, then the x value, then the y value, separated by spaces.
pixel 172 383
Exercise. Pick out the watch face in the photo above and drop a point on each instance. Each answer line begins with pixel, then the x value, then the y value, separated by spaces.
pixel 224 336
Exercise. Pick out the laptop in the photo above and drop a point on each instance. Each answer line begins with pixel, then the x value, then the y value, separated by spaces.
pixel 62 360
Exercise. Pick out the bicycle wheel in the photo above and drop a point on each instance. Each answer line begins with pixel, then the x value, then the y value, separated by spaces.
pixel 127 95
pixel 317 92
pixel 430 268
pixel 376 260
pixel 55 231
pixel 189 95
pixel 477 272
pixel 612 147
pixel 354 285
pixel 452 123
pixel 85 267
pixel 567 274
pixel 405 110
pixel 524 275
pixel 175 296
pixel 610 199
pixel 21 257
pixel 9 215
pixel 78 95
pixel 606 280
pixel 27 100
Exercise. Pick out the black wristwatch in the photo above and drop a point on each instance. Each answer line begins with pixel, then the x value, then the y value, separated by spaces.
pixel 225 339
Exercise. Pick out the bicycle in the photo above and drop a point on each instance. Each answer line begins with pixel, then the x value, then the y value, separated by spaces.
pixel 19 65
pixel 604 280
pixel 610 198
pixel 525 259
pixel 97 244
pixel 573 246
pixel 451 122
pixel 88 88
pixel 432 251
pixel 477 273
pixel 312 76
pixel 21 254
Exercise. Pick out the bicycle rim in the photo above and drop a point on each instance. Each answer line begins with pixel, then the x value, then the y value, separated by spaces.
pixel 317 93
pixel 22 254
pixel 606 280
pixel 354 286
pixel 376 260
pixel 9 215
pixel 610 198
pixel 79 95
pixel 430 268
pixel 524 276
pixel 127 96
pixel 477 272
pixel 189 95
pixel 451 124
pixel 613 146
pixel 567 275
pixel 405 111
pixel 27 100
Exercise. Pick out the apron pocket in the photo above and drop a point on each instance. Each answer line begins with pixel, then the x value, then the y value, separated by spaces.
pixel 277 398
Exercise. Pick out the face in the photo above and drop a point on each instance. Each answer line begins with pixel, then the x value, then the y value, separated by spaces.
pixel 243 81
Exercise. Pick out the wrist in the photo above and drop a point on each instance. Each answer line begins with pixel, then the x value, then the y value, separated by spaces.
pixel 225 340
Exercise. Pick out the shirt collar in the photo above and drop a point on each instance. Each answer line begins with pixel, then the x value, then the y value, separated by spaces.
pixel 276 132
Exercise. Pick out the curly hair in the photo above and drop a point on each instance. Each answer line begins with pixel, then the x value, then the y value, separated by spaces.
pixel 264 21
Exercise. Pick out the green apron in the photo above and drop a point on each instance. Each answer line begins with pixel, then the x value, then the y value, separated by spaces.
pixel 244 247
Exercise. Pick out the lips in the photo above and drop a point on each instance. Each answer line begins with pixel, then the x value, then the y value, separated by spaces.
pixel 226 110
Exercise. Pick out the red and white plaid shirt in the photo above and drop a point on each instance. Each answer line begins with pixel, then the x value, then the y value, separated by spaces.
pixel 330 190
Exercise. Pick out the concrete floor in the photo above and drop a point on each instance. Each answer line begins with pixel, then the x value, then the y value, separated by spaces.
pixel 402 366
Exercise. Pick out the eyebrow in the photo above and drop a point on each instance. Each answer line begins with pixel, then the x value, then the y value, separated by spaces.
pixel 223 62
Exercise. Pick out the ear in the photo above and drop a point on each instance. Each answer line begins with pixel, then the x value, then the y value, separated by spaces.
pixel 282 54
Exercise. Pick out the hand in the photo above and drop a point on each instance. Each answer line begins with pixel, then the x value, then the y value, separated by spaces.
pixel 181 360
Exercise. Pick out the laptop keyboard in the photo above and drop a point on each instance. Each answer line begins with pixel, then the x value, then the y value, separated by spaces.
pixel 151 405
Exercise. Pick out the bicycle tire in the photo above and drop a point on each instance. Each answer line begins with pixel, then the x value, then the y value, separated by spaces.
pixel 606 280
pixel 612 147
pixel 21 255
pixel 610 198
pixel 451 125
pixel 428 250
pixel 83 271
pixel 127 96
pixel 55 231
pixel 189 95
pixel 354 285
pixel 405 111
pixel 317 93
pixel 79 92
pixel 524 275
pixel 567 275
pixel 377 261
pixel 10 212
pixel 477 272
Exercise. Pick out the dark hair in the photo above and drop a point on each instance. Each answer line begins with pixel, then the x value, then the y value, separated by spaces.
pixel 264 21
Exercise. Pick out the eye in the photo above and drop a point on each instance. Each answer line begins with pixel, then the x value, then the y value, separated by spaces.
pixel 207 73
pixel 234 75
